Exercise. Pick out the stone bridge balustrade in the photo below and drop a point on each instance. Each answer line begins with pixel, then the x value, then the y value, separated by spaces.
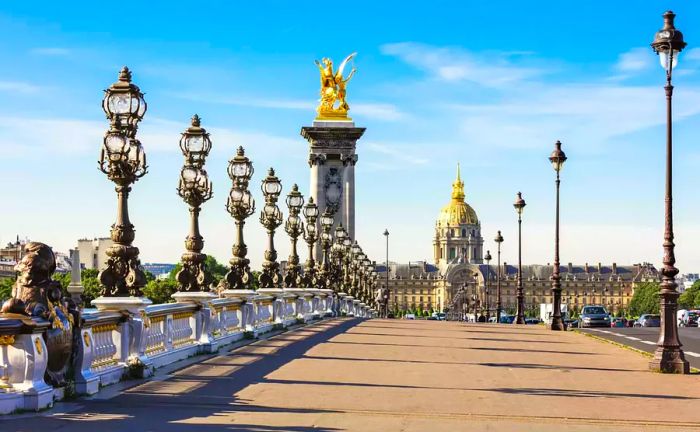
pixel 147 338
pixel 23 360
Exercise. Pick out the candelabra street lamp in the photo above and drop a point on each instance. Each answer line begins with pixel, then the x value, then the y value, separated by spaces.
pixel 326 241
pixel 310 236
pixel 486 286
pixel 669 357
pixel 123 160
pixel 499 305
pixel 294 227
pixel 557 158
pixel 270 218
pixel 385 306
pixel 519 205
pixel 240 205
pixel 194 188
pixel 347 261
pixel 336 262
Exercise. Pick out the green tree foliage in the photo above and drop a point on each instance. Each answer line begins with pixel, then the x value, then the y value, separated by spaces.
pixel 160 290
pixel 6 288
pixel 690 297
pixel 91 287
pixel 645 299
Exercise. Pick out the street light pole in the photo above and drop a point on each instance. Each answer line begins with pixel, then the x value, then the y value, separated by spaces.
pixel 488 275
pixel 669 357
pixel 519 206
pixel 386 306
pixel 499 306
pixel 557 158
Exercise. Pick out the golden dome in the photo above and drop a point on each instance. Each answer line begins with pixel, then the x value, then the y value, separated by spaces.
pixel 457 212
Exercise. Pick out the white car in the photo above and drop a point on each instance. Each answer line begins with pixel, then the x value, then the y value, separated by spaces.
pixel 410 316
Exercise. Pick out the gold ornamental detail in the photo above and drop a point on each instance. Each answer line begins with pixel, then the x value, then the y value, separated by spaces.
pixel 86 339
pixel 7 339
pixel 37 344
pixel 333 105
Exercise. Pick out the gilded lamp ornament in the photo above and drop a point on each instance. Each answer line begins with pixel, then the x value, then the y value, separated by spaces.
pixel 294 227
pixel 310 236
pixel 194 188
pixel 240 205
pixel 123 160
pixel 333 105
pixel 270 218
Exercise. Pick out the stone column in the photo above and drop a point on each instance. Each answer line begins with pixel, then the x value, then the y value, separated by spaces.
pixel 349 195
pixel 75 288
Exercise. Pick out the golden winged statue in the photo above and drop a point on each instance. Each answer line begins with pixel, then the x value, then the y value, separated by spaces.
pixel 333 105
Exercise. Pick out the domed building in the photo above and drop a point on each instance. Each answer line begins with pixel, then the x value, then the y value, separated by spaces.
pixel 460 279
pixel 457 231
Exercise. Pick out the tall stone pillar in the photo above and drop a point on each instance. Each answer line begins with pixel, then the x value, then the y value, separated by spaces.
pixel 333 180
pixel 75 288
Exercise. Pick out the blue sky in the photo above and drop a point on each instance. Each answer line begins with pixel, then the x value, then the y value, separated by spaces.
pixel 489 86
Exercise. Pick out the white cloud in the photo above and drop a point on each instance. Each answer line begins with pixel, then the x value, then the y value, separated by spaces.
pixel 51 51
pixel 386 112
pixel 18 87
pixel 397 153
pixel 693 54
pixel 489 69
pixel 635 60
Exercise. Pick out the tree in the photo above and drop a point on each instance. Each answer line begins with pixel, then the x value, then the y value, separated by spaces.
pixel 6 288
pixel 160 290
pixel 645 299
pixel 690 297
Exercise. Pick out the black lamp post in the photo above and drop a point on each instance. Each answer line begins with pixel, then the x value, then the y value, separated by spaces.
pixel 240 205
pixel 194 188
pixel 385 294
pixel 310 236
pixel 294 227
pixel 326 241
pixel 519 205
pixel 123 160
pixel 669 357
pixel 270 218
pixel 499 305
pixel 488 276
pixel 557 158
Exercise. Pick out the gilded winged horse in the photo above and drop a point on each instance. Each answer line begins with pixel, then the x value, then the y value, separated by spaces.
pixel 333 88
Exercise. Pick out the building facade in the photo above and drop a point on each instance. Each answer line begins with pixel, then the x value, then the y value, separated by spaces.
pixel 93 252
pixel 458 254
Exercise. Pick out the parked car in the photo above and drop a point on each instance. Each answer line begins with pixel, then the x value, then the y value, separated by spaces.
pixel 595 316
pixel 532 321
pixel 390 315
pixel 648 320
pixel 410 316
pixel 507 319
pixel 618 322
pixel 440 316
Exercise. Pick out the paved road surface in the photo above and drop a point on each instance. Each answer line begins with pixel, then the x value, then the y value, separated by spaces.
pixel 397 375
pixel 645 339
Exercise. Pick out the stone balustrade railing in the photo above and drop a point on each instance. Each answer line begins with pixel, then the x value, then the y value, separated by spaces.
pixel 111 346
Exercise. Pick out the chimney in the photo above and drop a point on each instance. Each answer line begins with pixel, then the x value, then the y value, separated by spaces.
pixel 600 268
pixel 585 268
pixel 571 268
pixel 614 268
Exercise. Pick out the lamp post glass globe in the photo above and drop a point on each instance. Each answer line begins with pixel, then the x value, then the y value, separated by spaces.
pixel 124 103
pixel 558 157
pixel 240 168
pixel 295 200
pixel 519 203
pixel 195 143
pixel 271 185
pixel 668 43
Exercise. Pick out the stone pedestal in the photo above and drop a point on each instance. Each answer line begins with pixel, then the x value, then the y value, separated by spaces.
pixel 204 317
pixel 332 161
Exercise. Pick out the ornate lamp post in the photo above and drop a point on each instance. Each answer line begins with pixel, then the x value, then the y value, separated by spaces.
pixel 337 252
pixel 557 158
pixel 194 188
pixel 310 236
pixel 488 293
pixel 499 305
pixel 123 160
pixel 326 241
pixel 519 205
pixel 668 44
pixel 366 267
pixel 347 261
pixel 240 205
pixel 270 218
pixel 385 310
pixel 294 227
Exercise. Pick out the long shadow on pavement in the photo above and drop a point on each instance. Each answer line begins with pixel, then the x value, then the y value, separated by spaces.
pixel 186 403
